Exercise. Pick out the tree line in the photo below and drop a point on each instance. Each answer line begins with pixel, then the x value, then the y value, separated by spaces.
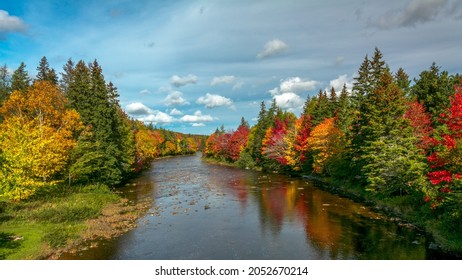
pixel 391 137
pixel 71 129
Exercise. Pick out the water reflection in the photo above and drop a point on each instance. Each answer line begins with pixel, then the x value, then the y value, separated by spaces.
pixel 203 211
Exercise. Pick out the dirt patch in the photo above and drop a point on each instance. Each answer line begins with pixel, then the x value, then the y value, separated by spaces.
pixel 115 220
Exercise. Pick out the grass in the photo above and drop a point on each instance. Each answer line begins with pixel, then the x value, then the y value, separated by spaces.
pixel 55 220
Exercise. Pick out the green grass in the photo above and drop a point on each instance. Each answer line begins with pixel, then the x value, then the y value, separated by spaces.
pixel 33 229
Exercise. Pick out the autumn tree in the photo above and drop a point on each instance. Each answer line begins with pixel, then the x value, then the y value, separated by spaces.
pixel 325 142
pixel 446 157
pixel 238 140
pixel 36 138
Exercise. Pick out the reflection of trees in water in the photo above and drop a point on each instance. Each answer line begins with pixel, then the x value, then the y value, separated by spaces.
pixel 336 228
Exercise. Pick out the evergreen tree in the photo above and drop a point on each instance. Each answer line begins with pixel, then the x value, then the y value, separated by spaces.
pixel 257 133
pixel 391 161
pixel 67 75
pixel 434 88
pixel 402 80
pixel 345 111
pixel 20 79
pixel 5 84
pixel 45 73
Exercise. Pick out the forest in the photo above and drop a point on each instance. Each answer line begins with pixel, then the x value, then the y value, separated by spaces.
pixel 390 141
pixel 71 130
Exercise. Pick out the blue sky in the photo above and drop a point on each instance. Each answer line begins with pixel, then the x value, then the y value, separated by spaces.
pixel 191 66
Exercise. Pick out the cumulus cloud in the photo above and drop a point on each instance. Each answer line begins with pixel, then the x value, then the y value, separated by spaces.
pixel 415 12
pixel 222 80
pixel 214 100
pixel 145 114
pixel 338 83
pixel 287 94
pixel 157 117
pixel 175 112
pixel 289 101
pixel 10 23
pixel 295 85
pixel 272 48
pixel 175 98
pixel 198 124
pixel 178 81
pixel 138 108
pixel 197 118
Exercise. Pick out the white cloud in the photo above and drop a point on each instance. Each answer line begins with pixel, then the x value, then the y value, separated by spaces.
pixel 287 94
pixel 213 100
pixel 175 112
pixel 145 92
pixel 178 81
pixel 198 124
pixel 175 98
pixel 10 23
pixel 138 108
pixel 222 80
pixel 338 83
pixel 197 118
pixel 272 48
pixel 158 117
pixel 297 85
pixel 289 101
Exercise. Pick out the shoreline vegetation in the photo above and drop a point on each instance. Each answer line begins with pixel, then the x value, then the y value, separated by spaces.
pixel 389 142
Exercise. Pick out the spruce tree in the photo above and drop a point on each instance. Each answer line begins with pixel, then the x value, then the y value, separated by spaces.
pixel 45 73
pixel 391 162
pixel 20 79
pixel 67 75
pixel 402 80
pixel 434 89
pixel 5 84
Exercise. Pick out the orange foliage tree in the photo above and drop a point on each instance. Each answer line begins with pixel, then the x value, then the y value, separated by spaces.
pixel 325 141
pixel 36 137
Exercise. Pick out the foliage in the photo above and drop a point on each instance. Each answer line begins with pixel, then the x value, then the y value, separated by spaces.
pixel 35 139
pixel 325 142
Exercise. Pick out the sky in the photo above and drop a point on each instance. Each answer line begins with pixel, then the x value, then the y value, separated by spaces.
pixel 192 66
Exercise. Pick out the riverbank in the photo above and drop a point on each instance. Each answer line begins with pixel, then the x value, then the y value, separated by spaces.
pixel 65 220
pixel 399 209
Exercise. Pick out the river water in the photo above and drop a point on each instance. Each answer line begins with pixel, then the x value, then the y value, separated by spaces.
pixel 203 211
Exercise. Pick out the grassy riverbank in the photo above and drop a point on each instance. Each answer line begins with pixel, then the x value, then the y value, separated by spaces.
pixel 62 220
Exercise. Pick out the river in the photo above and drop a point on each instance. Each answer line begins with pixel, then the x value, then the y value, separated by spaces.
pixel 204 211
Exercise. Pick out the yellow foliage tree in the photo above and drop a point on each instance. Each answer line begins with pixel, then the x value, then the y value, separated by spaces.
pixel 36 137
pixel 325 141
